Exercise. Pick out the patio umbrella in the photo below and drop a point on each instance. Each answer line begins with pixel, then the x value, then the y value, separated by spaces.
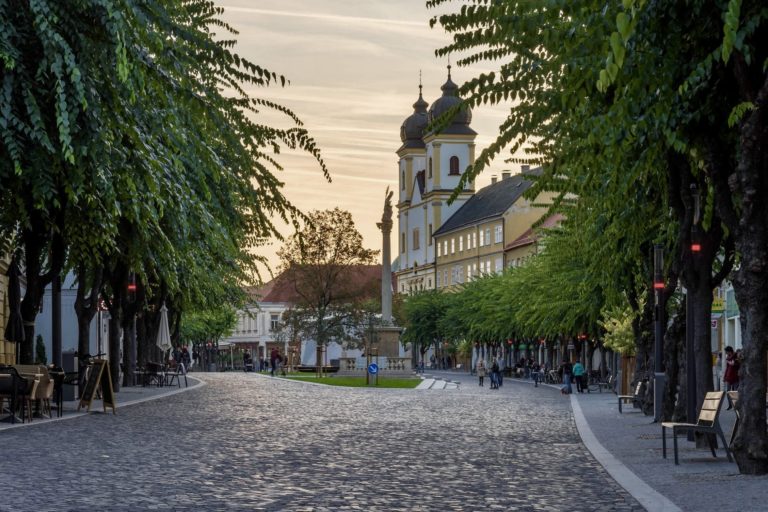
pixel 14 330
pixel 164 333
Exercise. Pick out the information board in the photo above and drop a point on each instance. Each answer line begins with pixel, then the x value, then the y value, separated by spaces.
pixel 99 378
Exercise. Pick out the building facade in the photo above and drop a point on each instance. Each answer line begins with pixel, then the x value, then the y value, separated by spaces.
pixel 430 166
pixel 475 240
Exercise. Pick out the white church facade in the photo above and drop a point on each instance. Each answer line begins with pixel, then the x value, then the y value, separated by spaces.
pixel 430 167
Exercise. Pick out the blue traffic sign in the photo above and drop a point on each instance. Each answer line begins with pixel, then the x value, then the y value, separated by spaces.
pixel 373 368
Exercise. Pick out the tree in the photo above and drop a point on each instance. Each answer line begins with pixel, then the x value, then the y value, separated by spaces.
pixel 329 271
pixel 130 146
pixel 610 96
pixel 422 313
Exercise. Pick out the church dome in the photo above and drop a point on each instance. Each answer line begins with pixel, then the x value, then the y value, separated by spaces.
pixel 412 129
pixel 447 101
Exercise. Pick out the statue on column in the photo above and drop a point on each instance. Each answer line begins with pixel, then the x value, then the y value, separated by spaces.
pixel 386 218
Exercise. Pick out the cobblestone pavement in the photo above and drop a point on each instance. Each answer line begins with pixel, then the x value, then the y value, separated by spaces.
pixel 250 442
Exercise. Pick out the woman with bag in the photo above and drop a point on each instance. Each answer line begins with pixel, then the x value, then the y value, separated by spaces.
pixel 481 370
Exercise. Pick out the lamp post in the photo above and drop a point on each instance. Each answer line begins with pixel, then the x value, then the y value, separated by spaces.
pixel 658 313
pixel 690 359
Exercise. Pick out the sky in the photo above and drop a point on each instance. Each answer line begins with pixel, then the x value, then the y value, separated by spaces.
pixel 353 67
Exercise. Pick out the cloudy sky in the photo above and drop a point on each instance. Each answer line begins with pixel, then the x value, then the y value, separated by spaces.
pixel 353 67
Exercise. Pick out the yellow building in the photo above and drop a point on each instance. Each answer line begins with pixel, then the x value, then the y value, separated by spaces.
pixel 475 240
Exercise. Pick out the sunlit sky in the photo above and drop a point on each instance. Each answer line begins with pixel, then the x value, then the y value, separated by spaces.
pixel 353 67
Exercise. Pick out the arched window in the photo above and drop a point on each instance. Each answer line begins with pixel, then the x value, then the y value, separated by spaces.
pixel 454 165
pixel 430 167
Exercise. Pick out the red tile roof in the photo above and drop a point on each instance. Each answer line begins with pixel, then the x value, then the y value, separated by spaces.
pixel 531 235
pixel 282 289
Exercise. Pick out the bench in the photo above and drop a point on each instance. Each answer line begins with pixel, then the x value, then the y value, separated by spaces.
pixel 706 423
pixel 633 398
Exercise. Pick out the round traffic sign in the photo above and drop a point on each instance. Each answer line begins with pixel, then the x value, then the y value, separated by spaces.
pixel 373 368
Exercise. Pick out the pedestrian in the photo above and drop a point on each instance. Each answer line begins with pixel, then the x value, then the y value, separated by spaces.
pixel 495 375
pixel 185 358
pixel 500 376
pixel 481 370
pixel 274 356
pixel 578 376
pixel 247 362
pixel 567 370
pixel 732 365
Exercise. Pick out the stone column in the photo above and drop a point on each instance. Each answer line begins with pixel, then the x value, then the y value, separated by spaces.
pixel 386 260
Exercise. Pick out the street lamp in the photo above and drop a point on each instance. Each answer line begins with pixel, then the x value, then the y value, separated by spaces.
pixel 658 313
pixel 690 359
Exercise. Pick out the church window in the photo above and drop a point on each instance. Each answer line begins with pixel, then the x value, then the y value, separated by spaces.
pixel 402 242
pixel 453 164
pixel 402 179
pixel 416 238
pixel 430 235
pixel 430 167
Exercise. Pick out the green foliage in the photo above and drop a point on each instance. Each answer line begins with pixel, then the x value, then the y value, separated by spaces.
pixel 201 327
pixel 40 357
pixel 619 335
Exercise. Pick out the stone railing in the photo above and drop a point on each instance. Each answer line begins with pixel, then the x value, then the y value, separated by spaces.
pixel 387 365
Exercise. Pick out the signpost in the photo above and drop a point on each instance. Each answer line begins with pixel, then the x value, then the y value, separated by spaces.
pixel 373 374
pixel 99 379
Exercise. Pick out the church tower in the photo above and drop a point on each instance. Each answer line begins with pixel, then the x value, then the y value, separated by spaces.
pixel 430 166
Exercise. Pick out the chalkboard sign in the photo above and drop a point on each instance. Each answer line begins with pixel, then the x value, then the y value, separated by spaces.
pixel 99 378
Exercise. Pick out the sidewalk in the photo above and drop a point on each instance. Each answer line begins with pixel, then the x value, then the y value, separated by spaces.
pixel 125 397
pixel 629 447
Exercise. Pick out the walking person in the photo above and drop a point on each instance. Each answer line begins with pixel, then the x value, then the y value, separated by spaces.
pixel 274 357
pixel 500 376
pixel 578 375
pixel 481 370
pixel 495 375
pixel 567 370
pixel 732 365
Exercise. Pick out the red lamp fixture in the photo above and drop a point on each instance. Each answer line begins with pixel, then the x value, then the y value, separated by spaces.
pixel 658 286
pixel 695 247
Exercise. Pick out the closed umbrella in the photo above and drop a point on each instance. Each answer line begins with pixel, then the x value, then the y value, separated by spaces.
pixel 14 330
pixel 164 333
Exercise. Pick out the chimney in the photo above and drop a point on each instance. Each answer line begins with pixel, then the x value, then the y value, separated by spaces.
pixel 505 175
pixel 494 179
pixel 525 168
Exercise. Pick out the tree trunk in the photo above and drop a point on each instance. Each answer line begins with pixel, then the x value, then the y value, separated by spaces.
pixel 674 359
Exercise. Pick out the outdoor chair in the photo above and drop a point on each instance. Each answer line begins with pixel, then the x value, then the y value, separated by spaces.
pixel 176 374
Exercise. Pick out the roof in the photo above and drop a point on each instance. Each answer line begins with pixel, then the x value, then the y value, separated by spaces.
pixel 531 234
pixel 282 289
pixel 488 202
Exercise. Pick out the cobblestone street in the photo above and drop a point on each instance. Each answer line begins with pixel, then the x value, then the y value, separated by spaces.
pixel 250 442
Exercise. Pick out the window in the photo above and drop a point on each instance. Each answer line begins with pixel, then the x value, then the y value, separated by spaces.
pixel 499 265
pixel 445 277
pixel 429 282
pixel 430 167
pixel 439 275
pixel 469 272
pixel 499 234
pixel 474 239
pixel 474 269
pixel 438 250
pixel 487 236
pixel 453 245
pixel 445 247
pixel 482 243
pixel 430 235
pixel 453 165
pixel 402 242
pixel 416 239
pixel 274 322
pixel 402 179
pixel 461 244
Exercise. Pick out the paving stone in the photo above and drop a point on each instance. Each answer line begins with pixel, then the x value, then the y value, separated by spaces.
pixel 248 442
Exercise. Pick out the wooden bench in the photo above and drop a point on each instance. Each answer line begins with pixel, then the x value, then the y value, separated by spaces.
pixel 707 423
pixel 635 397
